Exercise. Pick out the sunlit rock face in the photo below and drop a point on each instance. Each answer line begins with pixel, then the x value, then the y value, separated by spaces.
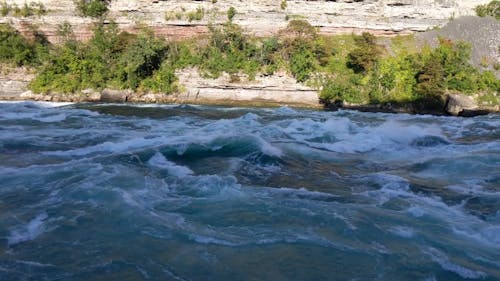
pixel 262 17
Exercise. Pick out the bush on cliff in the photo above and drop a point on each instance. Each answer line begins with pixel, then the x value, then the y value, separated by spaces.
pixel 140 59
pixel 17 49
pixel 366 53
pixel 229 50
pixel 490 9
pixel 92 8
pixel 420 78
pixel 352 69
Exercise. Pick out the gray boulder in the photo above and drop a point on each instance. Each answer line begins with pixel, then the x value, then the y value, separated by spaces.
pixel 109 95
pixel 457 104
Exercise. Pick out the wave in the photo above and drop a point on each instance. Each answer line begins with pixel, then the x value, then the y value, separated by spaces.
pixel 445 263
pixel 28 231
pixel 159 161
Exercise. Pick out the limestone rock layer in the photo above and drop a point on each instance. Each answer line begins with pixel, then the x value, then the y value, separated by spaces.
pixel 170 18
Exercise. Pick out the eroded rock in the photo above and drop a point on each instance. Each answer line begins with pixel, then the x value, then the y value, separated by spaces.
pixel 457 104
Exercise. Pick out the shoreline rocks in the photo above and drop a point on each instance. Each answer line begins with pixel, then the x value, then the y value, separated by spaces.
pixel 456 104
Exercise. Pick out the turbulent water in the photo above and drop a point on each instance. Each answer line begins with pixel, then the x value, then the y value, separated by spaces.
pixel 114 192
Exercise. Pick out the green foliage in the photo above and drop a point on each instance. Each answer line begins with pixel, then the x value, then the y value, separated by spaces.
pixel 16 49
pixel 231 12
pixel 4 9
pixel 92 8
pixel 162 81
pixel 197 15
pixel 343 88
pixel 421 79
pixel 490 9
pixel 366 53
pixel 65 32
pixel 345 68
pixel 109 59
pixel 302 64
pixel 229 50
pixel 301 29
pixel 27 10
pixel 431 80
pixel 283 4
pixel 140 59
pixel 181 55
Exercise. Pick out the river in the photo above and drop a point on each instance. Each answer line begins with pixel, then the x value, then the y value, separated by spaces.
pixel 180 192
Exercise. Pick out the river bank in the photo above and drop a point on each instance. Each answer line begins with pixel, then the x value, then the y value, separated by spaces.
pixel 274 90
pixel 455 105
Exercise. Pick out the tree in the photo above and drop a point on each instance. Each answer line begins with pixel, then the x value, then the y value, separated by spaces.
pixel 430 87
pixel 366 53
pixel 301 29
pixel 141 59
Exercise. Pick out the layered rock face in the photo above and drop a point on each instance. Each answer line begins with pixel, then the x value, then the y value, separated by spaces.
pixel 260 17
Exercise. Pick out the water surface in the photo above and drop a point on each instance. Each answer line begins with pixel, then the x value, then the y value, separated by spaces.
pixel 179 192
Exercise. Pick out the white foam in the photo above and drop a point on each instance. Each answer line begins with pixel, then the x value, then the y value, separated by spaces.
pixel 53 104
pixel 488 235
pixel 159 161
pixel 29 231
pixel 348 136
pixel 285 110
pixel 269 149
pixel 392 186
pixel 445 263
pixel 113 147
pixel 39 103
pixel 402 231
pixel 304 193
pixel 51 118
pixel 416 211
pixel 36 264
pixel 211 240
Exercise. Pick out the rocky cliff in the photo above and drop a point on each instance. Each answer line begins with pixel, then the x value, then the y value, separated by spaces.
pixel 170 18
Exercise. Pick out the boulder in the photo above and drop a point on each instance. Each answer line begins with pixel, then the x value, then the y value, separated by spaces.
pixel 91 95
pixel 109 95
pixel 458 103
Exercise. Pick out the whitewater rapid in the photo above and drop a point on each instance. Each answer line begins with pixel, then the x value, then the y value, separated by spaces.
pixel 180 192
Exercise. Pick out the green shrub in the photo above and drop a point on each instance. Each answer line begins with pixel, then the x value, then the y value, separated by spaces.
pixel 162 81
pixel 27 10
pixel 65 32
pixel 301 28
pixel 197 15
pixel 302 64
pixel 343 88
pixel 490 9
pixel 72 66
pixel 430 86
pixel 366 53
pixel 16 49
pixel 181 55
pixel 231 12
pixel 141 59
pixel 92 8
pixel 283 4
pixel 4 9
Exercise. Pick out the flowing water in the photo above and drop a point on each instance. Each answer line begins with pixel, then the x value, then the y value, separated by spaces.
pixel 144 192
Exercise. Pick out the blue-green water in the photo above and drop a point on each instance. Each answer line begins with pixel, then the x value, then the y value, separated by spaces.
pixel 113 192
